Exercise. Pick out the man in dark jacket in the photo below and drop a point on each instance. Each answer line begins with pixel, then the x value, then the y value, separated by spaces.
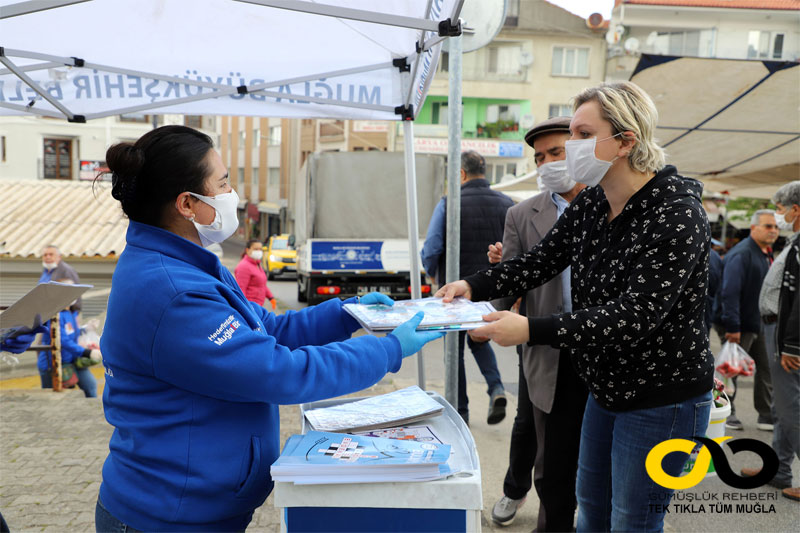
pixel 483 214
pixel 738 317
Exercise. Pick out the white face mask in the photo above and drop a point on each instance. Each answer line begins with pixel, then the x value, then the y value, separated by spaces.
pixel 49 266
pixel 583 166
pixel 782 223
pixel 554 177
pixel 225 221
pixel 257 254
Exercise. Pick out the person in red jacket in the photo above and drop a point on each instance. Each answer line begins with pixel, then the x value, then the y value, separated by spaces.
pixel 251 276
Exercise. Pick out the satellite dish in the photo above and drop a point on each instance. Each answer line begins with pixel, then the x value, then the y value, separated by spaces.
pixel 632 44
pixel 481 21
pixel 525 58
pixel 594 21
pixel 614 33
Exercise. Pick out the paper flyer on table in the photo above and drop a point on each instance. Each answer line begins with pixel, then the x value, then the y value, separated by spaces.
pixel 396 408
pixel 460 314
pixel 415 433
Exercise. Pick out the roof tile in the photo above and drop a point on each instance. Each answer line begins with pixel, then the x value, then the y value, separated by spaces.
pixel 82 222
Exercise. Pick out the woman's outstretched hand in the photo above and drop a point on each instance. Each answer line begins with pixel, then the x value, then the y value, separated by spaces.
pixel 453 290
pixel 506 328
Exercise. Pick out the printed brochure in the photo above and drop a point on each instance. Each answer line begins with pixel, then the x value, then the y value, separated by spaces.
pixel 460 314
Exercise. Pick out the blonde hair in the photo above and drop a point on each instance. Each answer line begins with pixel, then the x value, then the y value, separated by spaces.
pixel 628 108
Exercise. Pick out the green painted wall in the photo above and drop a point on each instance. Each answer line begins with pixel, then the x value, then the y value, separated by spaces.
pixel 474 114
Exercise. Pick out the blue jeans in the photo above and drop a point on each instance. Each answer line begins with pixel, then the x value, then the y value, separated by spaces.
pixel 105 522
pixel 484 356
pixel 86 381
pixel 614 491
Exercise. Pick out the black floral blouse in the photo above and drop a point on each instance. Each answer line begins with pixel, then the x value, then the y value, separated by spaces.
pixel 636 333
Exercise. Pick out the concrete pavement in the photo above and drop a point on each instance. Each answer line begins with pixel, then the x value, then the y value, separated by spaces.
pixel 53 446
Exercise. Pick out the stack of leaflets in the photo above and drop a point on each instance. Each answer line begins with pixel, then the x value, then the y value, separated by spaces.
pixel 323 458
pixel 396 408
pixel 460 314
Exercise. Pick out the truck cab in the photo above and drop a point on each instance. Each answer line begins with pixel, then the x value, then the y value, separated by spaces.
pixel 280 255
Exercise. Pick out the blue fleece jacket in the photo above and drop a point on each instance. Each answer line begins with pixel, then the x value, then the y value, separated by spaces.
pixel 194 376
pixel 70 349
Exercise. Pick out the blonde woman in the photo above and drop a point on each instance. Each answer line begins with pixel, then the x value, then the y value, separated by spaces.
pixel 637 241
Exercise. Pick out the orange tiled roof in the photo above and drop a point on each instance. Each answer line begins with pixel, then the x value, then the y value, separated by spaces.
pixel 732 4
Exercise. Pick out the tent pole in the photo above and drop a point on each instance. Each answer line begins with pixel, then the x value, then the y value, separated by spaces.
pixel 413 229
pixel 453 239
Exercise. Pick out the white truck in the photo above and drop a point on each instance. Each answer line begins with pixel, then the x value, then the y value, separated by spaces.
pixel 350 223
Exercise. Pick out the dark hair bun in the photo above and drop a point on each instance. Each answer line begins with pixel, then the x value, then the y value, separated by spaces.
pixel 125 161
pixel 148 175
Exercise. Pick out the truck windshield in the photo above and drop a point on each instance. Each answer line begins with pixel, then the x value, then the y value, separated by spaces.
pixel 280 244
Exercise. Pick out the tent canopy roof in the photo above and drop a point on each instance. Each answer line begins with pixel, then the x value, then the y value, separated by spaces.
pixel 735 124
pixel 290 58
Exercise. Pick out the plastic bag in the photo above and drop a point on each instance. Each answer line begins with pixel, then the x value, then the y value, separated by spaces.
pixel 89 338
pixel 733 361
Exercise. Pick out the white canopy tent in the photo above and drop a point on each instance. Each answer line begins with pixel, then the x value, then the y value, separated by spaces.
pixel 734 124
pixel 349 59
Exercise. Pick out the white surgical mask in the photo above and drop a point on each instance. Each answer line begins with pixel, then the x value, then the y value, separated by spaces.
pixel 782 223
pixel 257 254
pixel 225 221
pixel 583 166
pixel 554 177
pixel 49 266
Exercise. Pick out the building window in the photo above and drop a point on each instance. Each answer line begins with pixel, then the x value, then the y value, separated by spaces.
pixel 504 60
pixel 504 112
pixel 2 149
pixel 444 62
pixel 439 113
pixel 274 135
pixel 764 45
pixel 135 117
pixel 570 61
pixel 560 110
pixel 512 13
pixel 193 121
pixel 777 47
pixel 58 159
pixel 274 175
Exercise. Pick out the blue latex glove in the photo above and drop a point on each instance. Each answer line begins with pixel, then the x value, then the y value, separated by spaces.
pixel 22 341
pixel 376 298
pixel 411 340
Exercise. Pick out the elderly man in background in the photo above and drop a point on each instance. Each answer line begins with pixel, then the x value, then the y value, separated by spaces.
pixel 738 317
pixel 54 267
pixel 778 304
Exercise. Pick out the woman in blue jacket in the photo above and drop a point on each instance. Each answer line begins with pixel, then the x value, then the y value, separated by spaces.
pixel 195 372
pixel 71 353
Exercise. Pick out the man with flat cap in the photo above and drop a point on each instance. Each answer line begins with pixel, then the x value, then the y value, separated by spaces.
pixel 547 428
